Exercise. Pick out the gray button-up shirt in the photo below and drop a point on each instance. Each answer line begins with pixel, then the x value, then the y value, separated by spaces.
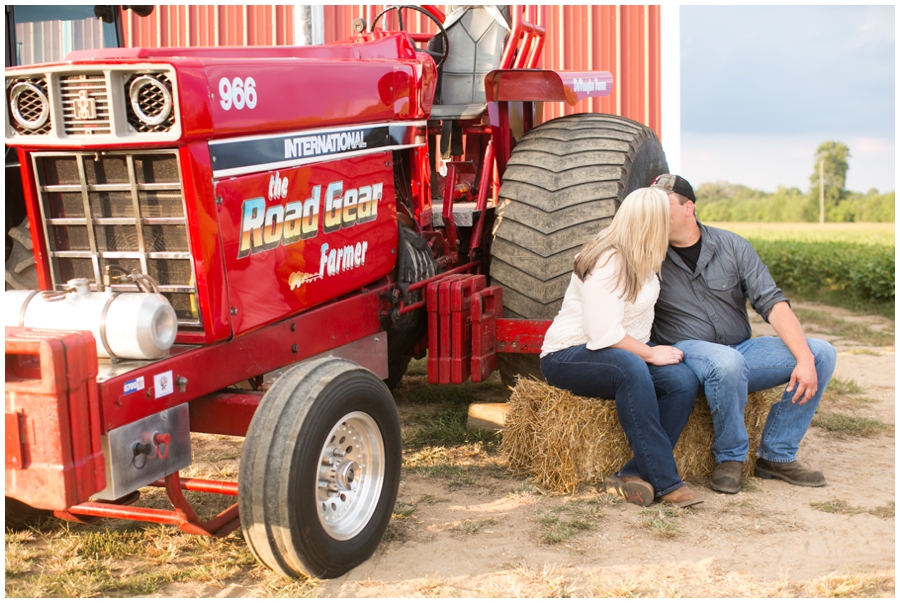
pixel 709 304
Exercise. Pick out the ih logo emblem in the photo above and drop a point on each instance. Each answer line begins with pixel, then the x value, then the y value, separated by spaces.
pixel 85 106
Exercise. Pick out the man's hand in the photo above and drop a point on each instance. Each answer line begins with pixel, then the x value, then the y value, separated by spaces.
pixel 804 382
pixel 804 379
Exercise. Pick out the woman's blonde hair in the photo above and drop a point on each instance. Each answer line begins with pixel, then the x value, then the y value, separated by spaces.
pixel 639 233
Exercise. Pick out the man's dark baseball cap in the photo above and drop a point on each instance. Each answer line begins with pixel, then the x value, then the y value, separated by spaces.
pixel 674 184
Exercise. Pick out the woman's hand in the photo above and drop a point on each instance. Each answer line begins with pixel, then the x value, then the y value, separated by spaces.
pixel 661 355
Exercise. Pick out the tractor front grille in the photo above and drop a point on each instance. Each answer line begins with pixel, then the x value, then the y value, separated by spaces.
pixel 66 106
pixel 106 215
pixel 85 104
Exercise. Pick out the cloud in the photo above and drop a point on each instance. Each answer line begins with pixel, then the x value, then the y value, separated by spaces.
pixel 783 69
pixel 767 161
pixel 871 146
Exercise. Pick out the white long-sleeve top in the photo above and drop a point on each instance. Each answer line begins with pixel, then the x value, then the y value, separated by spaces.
pixel 595 313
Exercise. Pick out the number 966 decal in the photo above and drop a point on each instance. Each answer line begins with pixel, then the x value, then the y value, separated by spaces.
pixel 237 93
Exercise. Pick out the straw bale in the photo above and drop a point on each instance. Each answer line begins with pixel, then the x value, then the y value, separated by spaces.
pixel 563 440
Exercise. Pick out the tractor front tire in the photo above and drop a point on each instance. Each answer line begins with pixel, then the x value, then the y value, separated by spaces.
pixel 563 184
pixel 320 469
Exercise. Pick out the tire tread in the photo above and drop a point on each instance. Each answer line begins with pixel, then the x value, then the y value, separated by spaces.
pixel 563 184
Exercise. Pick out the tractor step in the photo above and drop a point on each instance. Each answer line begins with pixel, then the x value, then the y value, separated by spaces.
pixel 463 214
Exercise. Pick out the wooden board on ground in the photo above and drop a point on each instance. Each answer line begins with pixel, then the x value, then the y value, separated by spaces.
pixel 487 416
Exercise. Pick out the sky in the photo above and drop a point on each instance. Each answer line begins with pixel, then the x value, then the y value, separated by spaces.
pixel 763 86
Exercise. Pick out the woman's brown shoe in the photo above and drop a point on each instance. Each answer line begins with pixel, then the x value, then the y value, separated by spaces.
pixel 633 489
pixel 682 497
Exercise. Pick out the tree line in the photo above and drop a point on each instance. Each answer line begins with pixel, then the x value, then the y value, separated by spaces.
pixel 725 202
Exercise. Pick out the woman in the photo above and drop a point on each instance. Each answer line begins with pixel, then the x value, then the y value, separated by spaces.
pixel 597 347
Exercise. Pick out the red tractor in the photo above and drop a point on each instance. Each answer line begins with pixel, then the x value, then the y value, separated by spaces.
pixel 204 217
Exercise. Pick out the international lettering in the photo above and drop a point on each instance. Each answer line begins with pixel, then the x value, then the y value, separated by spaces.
pixel 323 144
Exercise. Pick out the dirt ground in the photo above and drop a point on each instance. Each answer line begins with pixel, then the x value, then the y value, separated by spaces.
pixel 464 526
pixel 494 535
pixel 768 539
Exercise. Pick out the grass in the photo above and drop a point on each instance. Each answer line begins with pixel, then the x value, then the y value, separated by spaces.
pixel 885 512
pixel 858 332
pixel 124 559
pixel 437 442
pixel 523 581
pixel 399 527
pixel 843 387
pixel 472 526
pixel 839 392
pixel 852 585
pixel 117 558
pixel 840 299
pixel 701 584
pixel 417 368
pixel 841 507
pixel 436 415
pixel 862 352
pixel 845 425
pixel 445 425
pixel 430 499
pixel 836 506
pixel 461 467
pixel 748 486
pixel 70 560
pixel 846 265
pixel 873 233
pixel 661 521
pixel 563 522
pixel 404 510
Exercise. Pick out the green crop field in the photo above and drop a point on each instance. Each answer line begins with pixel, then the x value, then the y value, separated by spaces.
pixel 874 233
pixel 848 264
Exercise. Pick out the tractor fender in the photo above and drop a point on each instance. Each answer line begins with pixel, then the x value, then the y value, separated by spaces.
pixel 535 85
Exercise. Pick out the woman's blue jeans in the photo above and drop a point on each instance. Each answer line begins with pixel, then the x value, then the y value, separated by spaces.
pixel 653 403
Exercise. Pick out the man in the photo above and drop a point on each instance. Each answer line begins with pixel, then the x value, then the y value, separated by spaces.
pixel 707 278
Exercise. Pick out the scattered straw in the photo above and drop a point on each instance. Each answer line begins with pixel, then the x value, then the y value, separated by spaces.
pixel 563 440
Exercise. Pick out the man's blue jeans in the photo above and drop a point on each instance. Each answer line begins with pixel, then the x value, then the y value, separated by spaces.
pixel 653 403
pixel 728 373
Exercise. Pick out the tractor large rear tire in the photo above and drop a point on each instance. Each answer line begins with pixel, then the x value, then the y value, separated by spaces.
pixel 20 516
pixel 414 263
pixel 320 469
pixel 563 185
pixel 20 269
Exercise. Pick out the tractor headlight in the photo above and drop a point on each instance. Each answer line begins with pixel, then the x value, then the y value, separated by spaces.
pixel 151 99
pixel 29 104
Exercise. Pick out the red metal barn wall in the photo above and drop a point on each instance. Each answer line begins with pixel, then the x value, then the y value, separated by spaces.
pixel 623 40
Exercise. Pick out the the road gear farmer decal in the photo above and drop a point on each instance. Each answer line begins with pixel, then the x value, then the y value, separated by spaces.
pixel 263 229
pixel 319 229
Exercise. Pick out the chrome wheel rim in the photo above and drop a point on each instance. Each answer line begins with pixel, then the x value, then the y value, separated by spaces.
pixel 351 475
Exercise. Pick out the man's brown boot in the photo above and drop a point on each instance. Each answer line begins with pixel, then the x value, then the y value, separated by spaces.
pixel 726 477
pixel 793 473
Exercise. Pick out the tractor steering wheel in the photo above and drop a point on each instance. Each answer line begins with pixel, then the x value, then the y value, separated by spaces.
pixel 437 56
